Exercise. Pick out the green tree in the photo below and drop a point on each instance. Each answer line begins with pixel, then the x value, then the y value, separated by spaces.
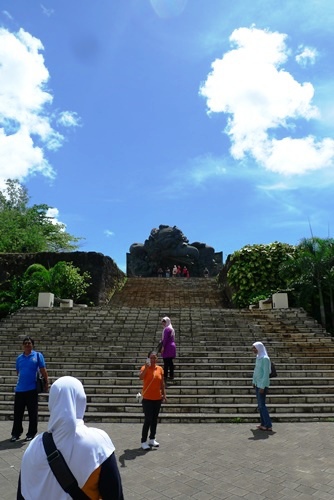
pixel 11 298
pixel 64 280
pixel 29 229
pixel 310 272
pixel 254 271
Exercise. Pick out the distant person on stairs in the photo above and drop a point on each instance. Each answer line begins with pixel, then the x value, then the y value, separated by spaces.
pixel 154 393
pixel 261 383
pixel 88 451
pixel 27 365
pixel 168 350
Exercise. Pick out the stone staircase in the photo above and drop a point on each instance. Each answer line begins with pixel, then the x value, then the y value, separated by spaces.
pixel 105 346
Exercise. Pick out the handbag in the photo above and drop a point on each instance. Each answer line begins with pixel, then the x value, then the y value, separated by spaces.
pixel 61 470
pixel 41 382
pixel 273 372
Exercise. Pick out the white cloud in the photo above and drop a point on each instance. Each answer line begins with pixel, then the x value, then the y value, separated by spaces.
pixel 262 98
pixel 69 119
pixel 7 14
pixel 205 167
pixel 26 118
pixel 296 156
pixel 53 214
pixel 198 171
pixel 307 55
pixel 168 9
pixel 109 233
pixel 46 11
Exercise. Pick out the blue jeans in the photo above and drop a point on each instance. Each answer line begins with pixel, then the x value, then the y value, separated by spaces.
pixel 261 403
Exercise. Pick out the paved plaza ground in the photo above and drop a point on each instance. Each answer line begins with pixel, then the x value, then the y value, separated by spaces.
pixel 214 461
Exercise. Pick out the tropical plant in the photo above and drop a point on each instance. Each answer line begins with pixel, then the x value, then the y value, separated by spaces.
pixel 254 269
pixel 29 229
pixel 11 298
pixel 255 299
pixel 64 280
pixel 310 271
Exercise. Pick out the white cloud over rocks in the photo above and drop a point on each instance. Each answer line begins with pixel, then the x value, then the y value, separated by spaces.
pixel 263 102
pixel 26 117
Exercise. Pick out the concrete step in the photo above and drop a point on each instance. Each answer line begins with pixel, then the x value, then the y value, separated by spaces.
pixel 184 418
pixel 190 369
pixel 105 348
pixel 7 390
pixel 182 375
pixel 95 401
pixel 185 382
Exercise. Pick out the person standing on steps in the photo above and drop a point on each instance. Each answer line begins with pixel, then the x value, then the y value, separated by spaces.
pixel 168 350
pixel 261 383
pixel 27 365
pixel 154 393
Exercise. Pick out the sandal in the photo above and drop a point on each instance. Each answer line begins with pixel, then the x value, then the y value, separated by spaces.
pixel 262 428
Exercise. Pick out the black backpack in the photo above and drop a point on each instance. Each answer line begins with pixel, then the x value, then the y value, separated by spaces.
pixel 273 372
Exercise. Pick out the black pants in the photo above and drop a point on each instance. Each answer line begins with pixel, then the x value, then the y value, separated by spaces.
pixel 168 366
pixel 151 413
pixel 23 400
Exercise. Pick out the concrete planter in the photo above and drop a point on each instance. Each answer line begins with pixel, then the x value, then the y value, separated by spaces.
pixel 263 304
pixel 45 299
pixel 280 300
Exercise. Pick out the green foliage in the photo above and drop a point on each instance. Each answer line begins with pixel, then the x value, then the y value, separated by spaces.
pixel 64 280
pixel 26 229
pixel 311 272
pixel 255 299
pixel 254 271
pixel 11 297
pixel 67 282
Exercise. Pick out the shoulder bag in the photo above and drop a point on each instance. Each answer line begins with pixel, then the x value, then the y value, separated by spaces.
pixel 159 347
pixel 273 372
pixel 139 395
pixel 41 382
pixel 61 470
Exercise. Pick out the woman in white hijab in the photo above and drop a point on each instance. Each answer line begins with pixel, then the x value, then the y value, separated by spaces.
pixel 88 451
pixel 261 382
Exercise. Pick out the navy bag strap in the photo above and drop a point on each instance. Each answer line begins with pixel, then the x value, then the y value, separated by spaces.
pixel 61 470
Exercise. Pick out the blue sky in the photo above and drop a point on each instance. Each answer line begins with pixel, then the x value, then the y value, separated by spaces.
pixel 212 115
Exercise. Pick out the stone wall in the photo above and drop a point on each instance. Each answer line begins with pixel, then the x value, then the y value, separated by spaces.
pixel 105 274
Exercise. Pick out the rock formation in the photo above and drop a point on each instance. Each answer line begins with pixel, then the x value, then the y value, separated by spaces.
pixel 167 246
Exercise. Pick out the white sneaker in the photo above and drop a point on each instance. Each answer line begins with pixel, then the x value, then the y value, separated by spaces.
pixel 153 442
pixel 145 446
